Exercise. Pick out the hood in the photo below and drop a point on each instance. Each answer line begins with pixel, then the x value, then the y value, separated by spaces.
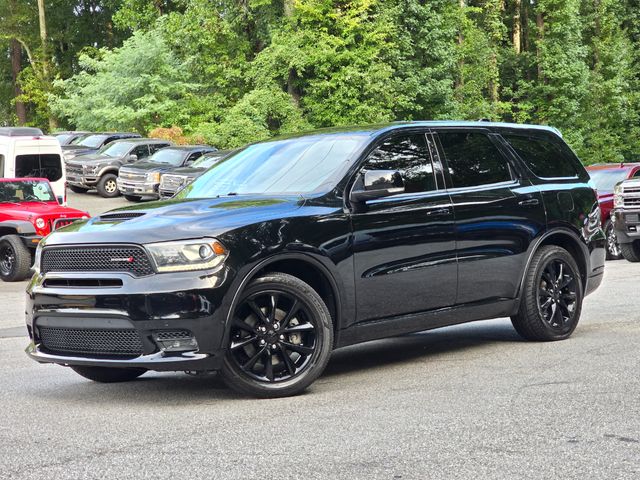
pixel 146 166
pixel 187 171
pixel 90 158
pixel 178 219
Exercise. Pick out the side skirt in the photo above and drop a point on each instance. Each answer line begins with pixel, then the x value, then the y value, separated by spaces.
pixel 418 322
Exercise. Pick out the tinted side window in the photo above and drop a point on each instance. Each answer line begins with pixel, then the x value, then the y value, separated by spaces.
pixel 545 158
pixel 409 155
pixel 141 151
pixel 154 147
pixel 473 159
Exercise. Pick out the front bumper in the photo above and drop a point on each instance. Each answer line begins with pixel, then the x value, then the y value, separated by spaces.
pixel 130 187
pixel 78 180
pixel 626 223
pixel 140 306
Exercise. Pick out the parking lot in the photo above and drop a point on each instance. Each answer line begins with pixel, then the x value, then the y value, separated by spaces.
pixel 471 401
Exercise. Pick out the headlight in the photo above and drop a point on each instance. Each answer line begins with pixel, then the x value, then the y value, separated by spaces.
pixel 91 169
pixel 618 200
pixel 186 255
pixel 153 177
pixel 40 223
pixel 37 257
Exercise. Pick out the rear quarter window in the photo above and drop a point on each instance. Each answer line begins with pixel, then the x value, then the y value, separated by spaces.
pixel 545 157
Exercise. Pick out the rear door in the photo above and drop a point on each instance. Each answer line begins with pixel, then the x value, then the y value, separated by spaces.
pixel 404 245
pixel 498 213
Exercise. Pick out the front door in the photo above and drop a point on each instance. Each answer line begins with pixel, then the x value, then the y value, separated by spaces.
pixel 404 245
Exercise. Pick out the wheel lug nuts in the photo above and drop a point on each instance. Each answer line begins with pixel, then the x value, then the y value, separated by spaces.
pixel 281 337
pixel 273 347
pixel 276 325
pixel 262 342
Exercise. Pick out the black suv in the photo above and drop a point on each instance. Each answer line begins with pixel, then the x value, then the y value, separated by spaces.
pixel 295 246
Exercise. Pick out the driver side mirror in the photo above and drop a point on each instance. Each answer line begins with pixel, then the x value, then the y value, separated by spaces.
pixel 132 158
pixel 377 184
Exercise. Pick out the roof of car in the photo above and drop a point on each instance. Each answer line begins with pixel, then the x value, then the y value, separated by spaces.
pixel 141 140
pixel 24 179
pixel 374 130
pixel 190 147
pixel 20 132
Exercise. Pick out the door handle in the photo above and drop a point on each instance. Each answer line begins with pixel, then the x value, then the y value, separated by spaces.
pixel 528 203
pixel 439 211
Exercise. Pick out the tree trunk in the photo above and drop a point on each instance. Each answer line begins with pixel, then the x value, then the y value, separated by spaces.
pixel 460 78
pixel 517 27
pixel 540 25
pixel 53 124
pixel 16 68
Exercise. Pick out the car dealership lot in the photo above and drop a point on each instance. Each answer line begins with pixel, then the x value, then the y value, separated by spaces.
pixel 472 401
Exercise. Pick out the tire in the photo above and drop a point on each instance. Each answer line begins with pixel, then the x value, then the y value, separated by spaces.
pixel 282 336
pixel 107 186
pixel 132 198
pixel 76 189
pixel 108 374
pixel 15 259
pixel 545 301
pixel 631 251
pixel 613 247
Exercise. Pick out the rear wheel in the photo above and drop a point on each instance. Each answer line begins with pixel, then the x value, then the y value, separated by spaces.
pixel 613 248
pixel 15 259
pixel 280 340
pixel 551 299
pixel 107 186
pixel 132 198
pixel 108 374
pixel 631 251
pixel 76 189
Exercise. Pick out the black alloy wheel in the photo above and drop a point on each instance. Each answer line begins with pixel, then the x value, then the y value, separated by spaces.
pixel 614 252
pixel 557 295
pixel 7 259
pixel 280 338
pixel 551 296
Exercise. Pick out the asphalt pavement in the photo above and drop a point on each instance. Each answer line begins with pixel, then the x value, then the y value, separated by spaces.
pixel 471 401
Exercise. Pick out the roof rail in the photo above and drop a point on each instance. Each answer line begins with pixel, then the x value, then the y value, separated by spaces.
pixel 20 132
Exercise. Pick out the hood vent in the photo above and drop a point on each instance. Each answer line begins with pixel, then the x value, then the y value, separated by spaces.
pixel 120 216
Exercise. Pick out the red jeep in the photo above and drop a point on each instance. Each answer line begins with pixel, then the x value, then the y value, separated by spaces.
pixel 606 176
pixel 28 211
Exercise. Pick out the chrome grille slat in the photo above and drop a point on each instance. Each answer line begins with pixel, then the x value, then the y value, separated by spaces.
pixel 129 259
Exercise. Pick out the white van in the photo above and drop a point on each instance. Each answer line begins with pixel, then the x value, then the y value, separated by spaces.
pixel 26 152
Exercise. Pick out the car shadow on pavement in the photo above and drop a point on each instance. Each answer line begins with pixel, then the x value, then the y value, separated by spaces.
pixel 422 345
pixel 172 388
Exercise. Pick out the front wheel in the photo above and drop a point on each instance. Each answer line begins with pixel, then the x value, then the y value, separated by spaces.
pixel 108 374
pixel 551 298
pixel 15 259
pixel 280 338
pixel 631 251
pixel 613 248
pixel 107 186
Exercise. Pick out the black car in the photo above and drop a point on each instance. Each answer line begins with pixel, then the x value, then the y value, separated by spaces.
pixel 99 170
pixel 69 137
pixel 92 143
pixel 295 246
pixel 141 179
pixel 173 180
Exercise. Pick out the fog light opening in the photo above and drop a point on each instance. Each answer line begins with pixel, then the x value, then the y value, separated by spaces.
pixel 175 342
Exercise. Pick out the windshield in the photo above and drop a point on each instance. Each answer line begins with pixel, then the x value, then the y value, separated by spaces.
pixel 605 180
pixel 292 166
pixel 91 141
pixel 169 156
pixel 64 138
pixel 26 191
pixel 115 149
pixel 209 159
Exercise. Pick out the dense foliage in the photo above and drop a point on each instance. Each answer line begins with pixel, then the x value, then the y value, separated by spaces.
pixel 234 71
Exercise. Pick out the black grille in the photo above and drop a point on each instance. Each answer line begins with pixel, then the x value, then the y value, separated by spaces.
pixel 97 342
pixel 121 216
pixel 130 259
pixel 172 334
